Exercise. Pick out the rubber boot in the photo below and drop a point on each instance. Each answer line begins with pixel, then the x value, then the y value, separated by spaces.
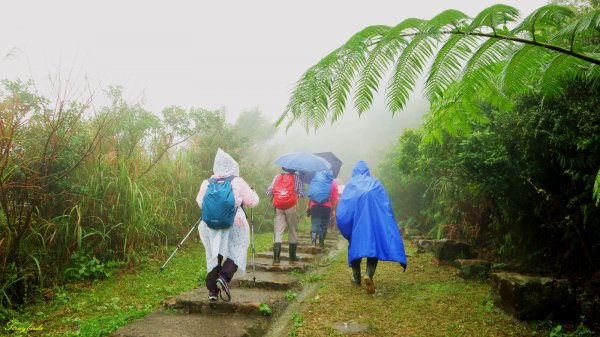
pixel 313 238
pixel 293 248
pixel 313 241
pixel 356 275
pixel 276 253
pixel 322 237
pixel 369 284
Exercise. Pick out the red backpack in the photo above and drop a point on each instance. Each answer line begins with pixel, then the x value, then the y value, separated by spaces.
pixel 284 194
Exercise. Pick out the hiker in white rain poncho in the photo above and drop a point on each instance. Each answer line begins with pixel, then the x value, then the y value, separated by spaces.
pixel 226 249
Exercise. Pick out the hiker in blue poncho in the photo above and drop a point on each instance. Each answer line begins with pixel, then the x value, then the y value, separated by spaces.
pixel 365 219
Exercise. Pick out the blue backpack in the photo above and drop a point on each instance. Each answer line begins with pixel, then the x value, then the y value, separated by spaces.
pixel 218 204
pixel 320 186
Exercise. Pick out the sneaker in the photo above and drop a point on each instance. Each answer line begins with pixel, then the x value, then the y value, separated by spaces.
pixel 223 289
pixel 213 296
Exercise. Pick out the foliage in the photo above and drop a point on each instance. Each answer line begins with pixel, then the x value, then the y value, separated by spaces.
pixel 527 174
pixel 85 267
pixel 489 58
pixel 98 308
pixel 290 295
pixel 79 189
pixel 265 309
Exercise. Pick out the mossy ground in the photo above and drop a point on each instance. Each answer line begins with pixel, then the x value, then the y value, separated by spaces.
pixel 426 300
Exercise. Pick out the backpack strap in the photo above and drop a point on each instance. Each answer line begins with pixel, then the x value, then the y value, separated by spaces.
pixel 229 179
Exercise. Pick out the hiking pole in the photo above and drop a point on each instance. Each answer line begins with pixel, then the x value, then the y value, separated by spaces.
pixel 253 247
pixel 179 245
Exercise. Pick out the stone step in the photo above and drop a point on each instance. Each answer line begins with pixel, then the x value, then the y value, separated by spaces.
pixel 307 243
pixel 266 280
pixel 285 256
pixel 263 264
pixel 306 239
pixel 244 301
pixel 303 248
pixel 166 323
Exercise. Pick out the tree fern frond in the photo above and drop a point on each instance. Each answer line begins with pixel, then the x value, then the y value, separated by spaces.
pixel 548 16
pixel 378 62
pixel 478 71
pixel 356 50
pixel 597 189
pixel 561 65
pixel 484 43
pixel 589 22
pixel 592 75
pixel 448 19
pixel 448 64
pixel 520 73
pixel 407 70
pixel 494 16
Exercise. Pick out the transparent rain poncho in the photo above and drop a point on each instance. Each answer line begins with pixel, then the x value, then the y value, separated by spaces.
pixel 233 242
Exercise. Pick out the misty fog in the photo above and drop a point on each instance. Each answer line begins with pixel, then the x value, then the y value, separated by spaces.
pixel 354 137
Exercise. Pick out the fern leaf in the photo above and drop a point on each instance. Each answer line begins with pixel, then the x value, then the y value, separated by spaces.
pixel 520 73
pixel 378 62
pixel 494 16
pixel 448 63
pixel 597 189
pixel 355 57
pixel 546 17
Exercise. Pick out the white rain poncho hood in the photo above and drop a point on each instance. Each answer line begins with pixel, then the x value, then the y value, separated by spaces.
pixel 225 165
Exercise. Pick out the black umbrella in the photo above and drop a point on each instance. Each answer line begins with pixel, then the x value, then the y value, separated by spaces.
pixel 335 162
pixel 331 158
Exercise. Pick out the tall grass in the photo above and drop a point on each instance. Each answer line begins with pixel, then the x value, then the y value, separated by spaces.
pixel 113 186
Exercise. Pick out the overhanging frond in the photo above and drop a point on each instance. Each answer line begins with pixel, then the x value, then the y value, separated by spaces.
pixel 481 54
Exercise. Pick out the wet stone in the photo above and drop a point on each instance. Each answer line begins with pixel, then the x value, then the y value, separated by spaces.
pixel 263 264
pixel 164 323
pixel 351 327
pixel 285 256
pixel 473 269
pixel 265 280
pixel 533 297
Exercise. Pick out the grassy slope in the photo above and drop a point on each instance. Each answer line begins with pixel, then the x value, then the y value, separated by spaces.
pixel 426 300
pixel 98 308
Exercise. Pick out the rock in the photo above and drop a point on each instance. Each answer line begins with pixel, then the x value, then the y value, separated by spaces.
pixel 415 239
pixel 445 250
pixel 533 297
pixel 473 269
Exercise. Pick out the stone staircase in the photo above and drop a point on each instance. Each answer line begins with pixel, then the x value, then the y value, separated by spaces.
pixel 191 314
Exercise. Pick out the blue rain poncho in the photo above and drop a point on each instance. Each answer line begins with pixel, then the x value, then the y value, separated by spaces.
pixel 365 219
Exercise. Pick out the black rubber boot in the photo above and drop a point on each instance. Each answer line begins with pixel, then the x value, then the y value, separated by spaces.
pixel 313 238
pixel 293 248
pixel 276 253
pixel 356 275
pixel 371 266
pixel 322 236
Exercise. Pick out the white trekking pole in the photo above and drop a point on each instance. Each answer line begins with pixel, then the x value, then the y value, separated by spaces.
pixel 253 249
pixel 179 245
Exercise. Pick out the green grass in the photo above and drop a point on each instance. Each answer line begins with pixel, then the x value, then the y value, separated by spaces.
pixel 100 307
pixel 426 300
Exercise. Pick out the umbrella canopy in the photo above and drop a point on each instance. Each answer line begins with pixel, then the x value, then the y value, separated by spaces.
pixel 334 161
pixel 303 161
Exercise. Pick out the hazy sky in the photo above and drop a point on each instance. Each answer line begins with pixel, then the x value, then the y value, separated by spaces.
pixel 237 54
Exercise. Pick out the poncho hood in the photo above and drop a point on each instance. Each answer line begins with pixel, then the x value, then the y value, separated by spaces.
pixel 225 165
